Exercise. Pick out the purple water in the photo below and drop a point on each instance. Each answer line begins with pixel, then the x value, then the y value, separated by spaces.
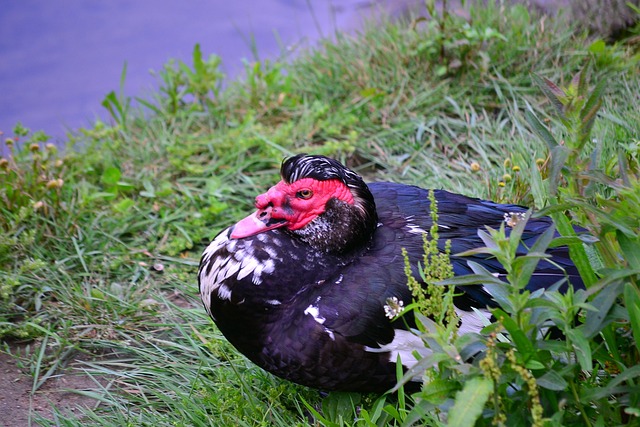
pixel 58 59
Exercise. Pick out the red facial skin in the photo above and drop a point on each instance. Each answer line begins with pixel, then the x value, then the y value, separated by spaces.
pixel 291 205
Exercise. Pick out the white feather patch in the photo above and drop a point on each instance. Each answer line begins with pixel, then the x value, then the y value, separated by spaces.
pixel 240 261
pixel 404 344
pixel 314 312
pixel 413 228
pixel 224 292
pixel 473 321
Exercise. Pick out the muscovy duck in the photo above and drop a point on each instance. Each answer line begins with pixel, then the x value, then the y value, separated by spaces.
pixel 300 286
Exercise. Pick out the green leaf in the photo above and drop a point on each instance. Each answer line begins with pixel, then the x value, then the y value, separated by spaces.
pixel 578 82
pixel 101 195
pixel 317 415
pixel 422 365
pixel 595 99
pixel 469 402
pixel 632 302
pixel 570 240
pixel 603 302
pixel 376 408
pixel 630 248
pixel 551 91
pixel 340 405
pixel 587 123
pixel 522 342
pixel 111 176
pixel 552 380
pixel 576 251
pixel 610 389
pixel 597 46
pixel 437 390
pixel 611 275
pixel 123 205
pixel 498 289
pixel 399 372
pixel 589 110
pixel 419 413
pixel 526 265
pixel 581 348
pixel 534 364
pixel 540 129
pixel 538 190
pixel 198 63
pixel 391 410
pixel 470 279
pixel 559 155
pixel 125 186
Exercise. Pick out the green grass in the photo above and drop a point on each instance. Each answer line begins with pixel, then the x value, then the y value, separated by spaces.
pixel 415 102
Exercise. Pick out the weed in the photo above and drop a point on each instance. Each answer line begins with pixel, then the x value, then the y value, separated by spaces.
pixel 589 373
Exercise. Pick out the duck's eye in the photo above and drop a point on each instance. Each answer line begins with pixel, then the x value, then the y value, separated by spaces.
pixel 304 194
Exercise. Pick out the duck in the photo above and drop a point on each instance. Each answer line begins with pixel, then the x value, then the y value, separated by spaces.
pixel 302 286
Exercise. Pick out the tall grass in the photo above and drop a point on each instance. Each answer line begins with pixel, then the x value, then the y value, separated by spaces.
pixel 99 244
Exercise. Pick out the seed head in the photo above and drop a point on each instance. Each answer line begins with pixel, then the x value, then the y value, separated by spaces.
pixel 55 184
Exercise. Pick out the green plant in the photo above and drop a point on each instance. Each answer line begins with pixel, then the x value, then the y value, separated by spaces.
pixel 119 105
pixel 203 82
pixel 32 195
pixel 456 45
pixel 589 372
pixel 431 300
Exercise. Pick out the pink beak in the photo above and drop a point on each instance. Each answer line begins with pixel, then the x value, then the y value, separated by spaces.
pixel 256 223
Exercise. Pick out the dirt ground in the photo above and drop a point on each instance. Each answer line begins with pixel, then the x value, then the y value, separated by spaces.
pixel 19 407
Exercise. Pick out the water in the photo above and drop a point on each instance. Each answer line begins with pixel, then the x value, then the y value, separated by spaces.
pixel 58 59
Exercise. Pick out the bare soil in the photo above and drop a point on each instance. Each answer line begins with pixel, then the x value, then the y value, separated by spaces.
pixel 19 407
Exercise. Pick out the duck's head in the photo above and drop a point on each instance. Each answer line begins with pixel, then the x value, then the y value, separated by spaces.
pixel 318 200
